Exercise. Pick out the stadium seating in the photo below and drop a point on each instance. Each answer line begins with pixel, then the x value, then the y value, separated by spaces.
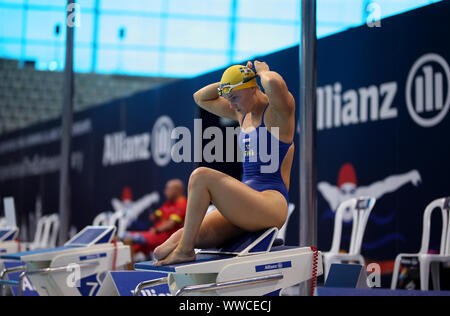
pixel 29 96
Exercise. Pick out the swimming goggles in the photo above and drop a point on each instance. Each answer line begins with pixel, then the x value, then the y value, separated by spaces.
pixel 226 88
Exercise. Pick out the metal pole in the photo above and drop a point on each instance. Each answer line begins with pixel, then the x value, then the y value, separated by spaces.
pixel 307 121
pixel 66 131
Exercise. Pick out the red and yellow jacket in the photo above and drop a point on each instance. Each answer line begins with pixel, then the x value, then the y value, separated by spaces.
pixel 175 211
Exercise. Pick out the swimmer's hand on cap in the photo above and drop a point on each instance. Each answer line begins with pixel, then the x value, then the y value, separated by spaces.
pixel 260 67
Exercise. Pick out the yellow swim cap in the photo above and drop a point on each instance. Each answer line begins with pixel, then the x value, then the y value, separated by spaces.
pixel 237 77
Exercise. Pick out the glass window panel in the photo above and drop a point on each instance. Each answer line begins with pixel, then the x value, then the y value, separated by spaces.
pixel 287 10
pixel 181 64
pixel 11 51
pixel 86 4
pixel 108 60
pixel 60 4
pixel 263 38
pixel 11 2
pixel 10 23
pixel 41 25
pixel 132 5
pixel 343 11
pixel 140 62
pixel 200 27
pixel 138 30
pixel 198 34
pixel 84 33
pixel 201 7
pixel 53 3
pixel 46 57
pixel 127 61
pixel 83 59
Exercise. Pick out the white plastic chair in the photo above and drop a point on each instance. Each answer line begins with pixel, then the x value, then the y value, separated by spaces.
pixel 282 231
pixel 46 234
pixel 427 260
pixel 40 226
pixel 102 219
pixel 360 208
pixel 119 220
pixel 50 233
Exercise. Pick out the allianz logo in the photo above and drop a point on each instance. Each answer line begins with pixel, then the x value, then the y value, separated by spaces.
pixel 151 292
pixel 273 266
pixel 120 148
pixel 428 90
pixel 427 97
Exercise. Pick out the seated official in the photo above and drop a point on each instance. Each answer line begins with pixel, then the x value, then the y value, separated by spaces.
pixel 167 219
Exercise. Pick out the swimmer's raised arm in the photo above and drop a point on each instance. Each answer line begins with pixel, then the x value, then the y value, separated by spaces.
pixel 208 99
pixel 274 87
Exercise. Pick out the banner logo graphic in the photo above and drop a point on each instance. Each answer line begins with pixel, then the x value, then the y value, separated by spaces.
pixel 161 140
pixel 428 90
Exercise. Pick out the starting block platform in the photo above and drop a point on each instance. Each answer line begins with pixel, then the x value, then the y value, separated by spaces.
pixel 8 245
pixel 8 235
pixel 249 266
pixel 76 269
pixel 8 242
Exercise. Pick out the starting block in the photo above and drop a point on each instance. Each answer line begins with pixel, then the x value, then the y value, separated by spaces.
pixel 9 277
pixel 8 242
pixel 347 276
pixel 123 283
pixel 249 266
pixel 8 245
pixel 9 234
pixel 76 269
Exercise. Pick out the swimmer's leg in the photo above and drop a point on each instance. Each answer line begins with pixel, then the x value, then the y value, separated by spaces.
pixel 168 246
pixel 214 231
pixel 242 206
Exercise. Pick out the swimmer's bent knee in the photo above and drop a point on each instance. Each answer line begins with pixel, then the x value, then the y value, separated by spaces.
pixel 199 175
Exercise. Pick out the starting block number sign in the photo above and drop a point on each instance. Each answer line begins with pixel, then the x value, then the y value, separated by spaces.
pixel 124 283
pixel 27 288
pixel 409 274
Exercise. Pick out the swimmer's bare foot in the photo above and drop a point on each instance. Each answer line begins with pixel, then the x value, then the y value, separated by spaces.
pixel 168 246
pixel 177 256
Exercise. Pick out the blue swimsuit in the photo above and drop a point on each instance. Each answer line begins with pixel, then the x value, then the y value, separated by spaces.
pixel 253 150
